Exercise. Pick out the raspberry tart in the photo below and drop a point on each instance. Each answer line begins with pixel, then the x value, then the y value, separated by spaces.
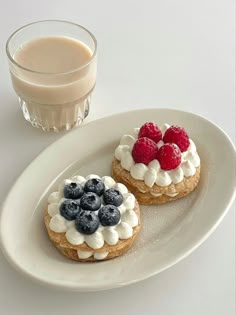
pixel 92 218
pixel 157 164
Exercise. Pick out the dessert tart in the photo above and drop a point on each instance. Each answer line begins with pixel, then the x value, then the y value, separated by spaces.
pixel 157 164
pixel 92 218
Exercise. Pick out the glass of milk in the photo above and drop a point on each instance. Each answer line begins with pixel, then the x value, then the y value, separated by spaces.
pixel 53 70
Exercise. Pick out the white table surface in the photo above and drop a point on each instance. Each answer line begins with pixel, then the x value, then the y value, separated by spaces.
pixel 163 53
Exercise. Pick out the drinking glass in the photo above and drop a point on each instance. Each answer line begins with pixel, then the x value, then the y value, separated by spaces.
pixel 53 101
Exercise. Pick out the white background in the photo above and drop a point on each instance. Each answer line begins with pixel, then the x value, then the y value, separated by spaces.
pixel 160 53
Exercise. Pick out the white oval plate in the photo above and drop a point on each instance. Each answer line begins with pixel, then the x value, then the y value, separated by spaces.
pixel 169 233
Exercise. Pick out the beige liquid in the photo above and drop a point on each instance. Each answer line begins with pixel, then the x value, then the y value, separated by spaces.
pixel 62 74
pixel 53 55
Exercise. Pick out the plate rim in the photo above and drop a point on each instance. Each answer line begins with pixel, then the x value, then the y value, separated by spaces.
pixel 87 288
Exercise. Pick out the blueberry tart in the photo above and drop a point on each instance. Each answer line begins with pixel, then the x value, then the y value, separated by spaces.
pixel 92 218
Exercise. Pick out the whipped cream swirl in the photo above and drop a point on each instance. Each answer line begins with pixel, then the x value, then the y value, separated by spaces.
pixel 152 173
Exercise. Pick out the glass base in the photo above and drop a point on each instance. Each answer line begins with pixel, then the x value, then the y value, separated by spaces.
pixel 56 117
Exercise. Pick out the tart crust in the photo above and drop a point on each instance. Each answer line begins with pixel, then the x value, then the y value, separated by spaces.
pixel 143 193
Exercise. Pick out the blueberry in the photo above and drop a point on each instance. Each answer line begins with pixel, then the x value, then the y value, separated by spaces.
pixel 69 209
pixel 113 197
pixel 87 222
pixel 90 201
pixel 73 191
pixel 94 185
pixel 109 215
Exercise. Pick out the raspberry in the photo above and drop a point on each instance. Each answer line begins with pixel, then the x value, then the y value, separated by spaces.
pixel 151 131
pixel 177 135
pixel 169 156
pixel 144 150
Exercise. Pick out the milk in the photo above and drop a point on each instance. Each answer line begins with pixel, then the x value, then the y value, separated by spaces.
pixel 54 79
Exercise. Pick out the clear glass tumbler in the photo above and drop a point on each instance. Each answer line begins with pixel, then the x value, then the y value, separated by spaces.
pixel 50 100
